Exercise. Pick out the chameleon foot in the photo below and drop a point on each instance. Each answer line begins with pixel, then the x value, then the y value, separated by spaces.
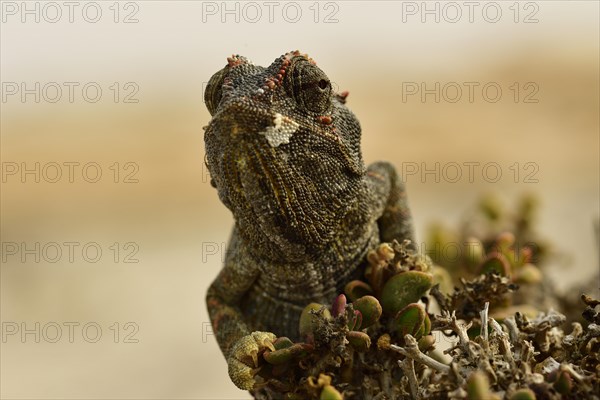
pixel 243 361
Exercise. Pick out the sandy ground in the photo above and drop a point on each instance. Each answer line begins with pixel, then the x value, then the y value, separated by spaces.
pixel 132 320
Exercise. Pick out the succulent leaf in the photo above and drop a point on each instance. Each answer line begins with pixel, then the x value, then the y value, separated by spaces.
pixel 413 320
pixel 426 343
pixel 523 394
pixel 359 340
pixel 403 289
pixel 339 306
pixel 285 355
pixel 564 383
pixel 307 325
pixel 357 289
pixel 330 393
pixel 370 309
pixel 529 274
pixel 355 320
pixel 478 386
pixel 496 262
pixel 282 343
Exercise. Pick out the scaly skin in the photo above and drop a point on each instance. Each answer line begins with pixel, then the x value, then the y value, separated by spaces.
pixel 284 153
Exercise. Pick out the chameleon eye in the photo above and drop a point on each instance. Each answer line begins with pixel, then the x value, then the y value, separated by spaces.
pixel 213 91
pixel 310 87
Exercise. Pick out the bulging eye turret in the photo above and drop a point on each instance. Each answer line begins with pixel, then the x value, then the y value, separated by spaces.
pixel 214 90
pixel 309 86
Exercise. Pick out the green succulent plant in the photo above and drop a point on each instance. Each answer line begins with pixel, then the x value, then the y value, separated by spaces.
pixel 502 349
pixel 411 320
pixel 403 289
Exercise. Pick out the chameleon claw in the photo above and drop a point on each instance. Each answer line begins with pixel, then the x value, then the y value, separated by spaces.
pixel 243 361
pixel 269 344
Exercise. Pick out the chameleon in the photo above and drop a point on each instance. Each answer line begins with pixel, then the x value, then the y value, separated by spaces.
pixel 283 151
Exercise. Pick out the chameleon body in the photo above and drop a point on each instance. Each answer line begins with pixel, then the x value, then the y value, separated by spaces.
pixel 284 153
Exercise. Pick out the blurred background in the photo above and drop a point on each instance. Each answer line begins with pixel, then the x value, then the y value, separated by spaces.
pixel 111 232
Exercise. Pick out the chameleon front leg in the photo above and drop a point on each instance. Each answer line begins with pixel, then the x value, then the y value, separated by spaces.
pixel 240 346
pixel 395 221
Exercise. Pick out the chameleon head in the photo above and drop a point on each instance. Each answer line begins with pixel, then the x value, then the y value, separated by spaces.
pixel 282 149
